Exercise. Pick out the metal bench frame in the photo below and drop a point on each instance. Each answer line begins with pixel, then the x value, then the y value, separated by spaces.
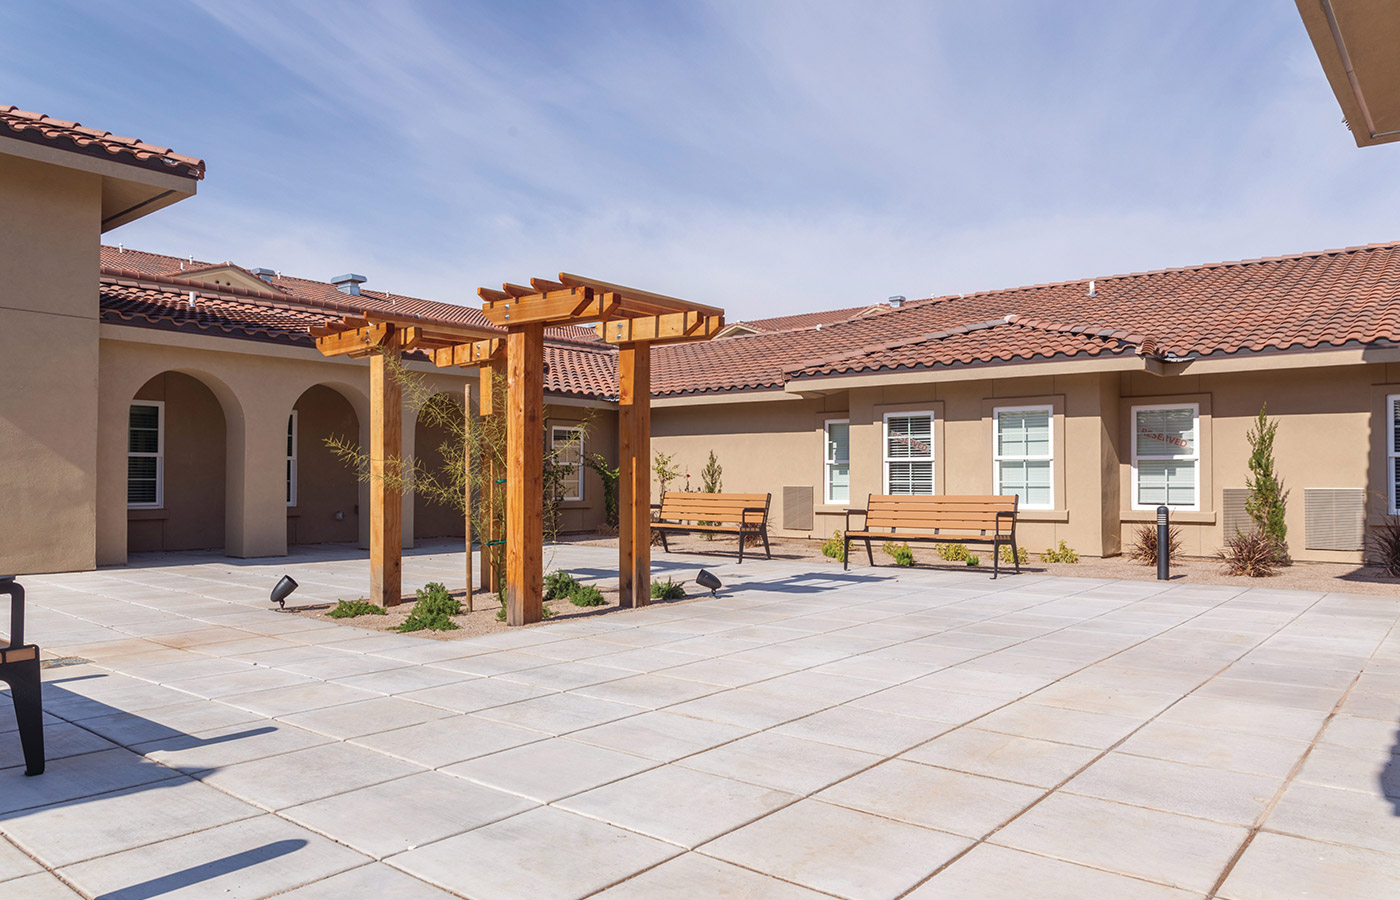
pixel 730 519
pixel 19 668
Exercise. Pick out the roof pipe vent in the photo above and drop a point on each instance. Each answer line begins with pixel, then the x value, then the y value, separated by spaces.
pixel 349 283
pixel 897 301
pixel 264 274
pixel 1092 293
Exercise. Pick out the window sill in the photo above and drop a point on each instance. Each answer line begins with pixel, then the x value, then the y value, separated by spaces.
pixel 1176 517
pixel 146 515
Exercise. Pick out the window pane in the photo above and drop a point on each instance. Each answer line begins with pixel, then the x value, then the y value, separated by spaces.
pixel 1395 489
pixel 1166 482
pixel 1037 432
pixel 838 442
pixel 1166 432
pixel 838 480
pixel 911 477
pixel 909 437
pixel 144 433
pixel 291 436
pixel 1027 479
pixel 141 479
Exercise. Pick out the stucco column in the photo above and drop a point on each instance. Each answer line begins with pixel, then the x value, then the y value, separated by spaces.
pixel 256 517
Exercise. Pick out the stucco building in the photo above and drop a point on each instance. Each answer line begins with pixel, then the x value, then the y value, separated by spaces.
pixel 152 402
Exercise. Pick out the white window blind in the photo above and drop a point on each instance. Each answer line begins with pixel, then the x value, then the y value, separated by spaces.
pixel 838 461
pixel 292 459
pixel 909 453
pixel 1393 449
pixel 1166 456
pixel 1023 455
pixel 145 455
pixel 566 443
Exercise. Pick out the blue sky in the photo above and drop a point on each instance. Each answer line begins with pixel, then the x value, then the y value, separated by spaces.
pixel 770 157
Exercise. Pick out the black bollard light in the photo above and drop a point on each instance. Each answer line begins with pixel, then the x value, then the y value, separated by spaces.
pixel 1163 546
pixel 283 590
pixel 707 579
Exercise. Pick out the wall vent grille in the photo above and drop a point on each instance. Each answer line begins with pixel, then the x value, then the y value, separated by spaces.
pixel 797 508
pixel 1334 518
pixel 1233 515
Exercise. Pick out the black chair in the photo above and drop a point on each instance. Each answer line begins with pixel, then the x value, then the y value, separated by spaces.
pixel 19 668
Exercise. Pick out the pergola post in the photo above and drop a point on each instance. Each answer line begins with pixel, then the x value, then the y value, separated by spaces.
pixel 467 487
pixel 385 500
pixel 634 474
pixel 525 481
pixel 491 530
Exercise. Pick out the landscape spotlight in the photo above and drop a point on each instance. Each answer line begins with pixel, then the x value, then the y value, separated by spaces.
pixel 707 579
pixel 283 590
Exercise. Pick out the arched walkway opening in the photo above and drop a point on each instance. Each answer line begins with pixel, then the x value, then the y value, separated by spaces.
pixel 176 464
pixel 432 519
pixel 323 492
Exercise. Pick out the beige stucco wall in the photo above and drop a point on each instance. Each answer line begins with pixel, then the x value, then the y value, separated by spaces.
pixel 50 226
pixel 1331 434
pixel 600 436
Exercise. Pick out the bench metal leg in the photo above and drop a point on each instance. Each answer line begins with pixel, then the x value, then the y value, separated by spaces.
pixel 25 687
pixel 741 544
pixel 996 560
pixel 1015 554
pixel 665 545
pixel 869 554
pixel 846 554
pixel 766 549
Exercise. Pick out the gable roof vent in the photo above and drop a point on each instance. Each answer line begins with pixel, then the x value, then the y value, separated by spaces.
pixel 264 274
pixel 349 283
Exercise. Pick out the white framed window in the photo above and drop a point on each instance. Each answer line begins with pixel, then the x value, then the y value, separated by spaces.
pixel 1392 406
pixel 566 442
pixel 837 461
pixel 292 459
pixel 1023 456
pixel 1167 456
pixel 909 453
pixel 145 455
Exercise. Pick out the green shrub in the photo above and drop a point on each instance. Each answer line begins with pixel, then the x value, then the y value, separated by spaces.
pixel 835 547
pixel 901 553
pixel 667 590
pixel 349 609
pixel 433 610
pixel 974 560
pixel 586 595
pixel 952 552
pixel 1060 554
pixel 1022 556
pixel 1255 555
pixel 559 584
pixel 1267 501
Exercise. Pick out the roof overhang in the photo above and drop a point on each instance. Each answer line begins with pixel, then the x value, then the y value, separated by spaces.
pixel 128 191
pixel 1356 43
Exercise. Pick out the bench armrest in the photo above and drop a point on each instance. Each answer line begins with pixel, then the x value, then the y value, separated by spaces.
pixel 761 510
pixel 8 585
pixel 858 512
pixel 1010 514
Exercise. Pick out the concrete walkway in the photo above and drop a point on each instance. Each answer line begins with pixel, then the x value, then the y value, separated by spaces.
pixel 875 734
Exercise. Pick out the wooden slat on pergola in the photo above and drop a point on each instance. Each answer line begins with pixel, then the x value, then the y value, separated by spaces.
pixel 631 319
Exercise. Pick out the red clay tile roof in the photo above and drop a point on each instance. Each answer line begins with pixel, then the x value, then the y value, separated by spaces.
pixel 1332 298
pixel 138 262
pixel 40 129
pixel 812 319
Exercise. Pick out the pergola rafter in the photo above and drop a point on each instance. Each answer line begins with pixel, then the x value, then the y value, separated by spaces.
pixel 628 318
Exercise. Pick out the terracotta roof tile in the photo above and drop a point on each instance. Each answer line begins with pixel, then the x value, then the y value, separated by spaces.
pixel 41 129
pixel 813 319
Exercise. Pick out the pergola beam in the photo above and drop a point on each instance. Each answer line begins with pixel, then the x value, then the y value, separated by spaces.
pixel 670 328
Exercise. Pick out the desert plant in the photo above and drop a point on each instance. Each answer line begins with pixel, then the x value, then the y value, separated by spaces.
pixel 433 610
pixel 712 476
pixel 349 609
pixel 1022 555
pixel 835 547
pixel 586 595
pixel 667 590
pixel 1255 555
pixel 1144 546
pixel 559 584
pixel 951 552
pixel 973 559
pixel 664 466
pixel 1385 545
pixel 901 553
pixel 1062 553
pixel 1267 499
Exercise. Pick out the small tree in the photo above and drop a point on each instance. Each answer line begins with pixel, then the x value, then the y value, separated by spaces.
pixel 1267 500
pixel 665 468
pixel 712 476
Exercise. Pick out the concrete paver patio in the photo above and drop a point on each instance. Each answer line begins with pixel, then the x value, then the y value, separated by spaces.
pixel 874 734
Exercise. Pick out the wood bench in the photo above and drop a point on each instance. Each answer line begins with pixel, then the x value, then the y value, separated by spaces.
pixel 19 668
pixel 942 520
pixel 741 514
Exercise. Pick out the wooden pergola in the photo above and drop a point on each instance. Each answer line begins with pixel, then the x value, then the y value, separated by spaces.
pixel 632 320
